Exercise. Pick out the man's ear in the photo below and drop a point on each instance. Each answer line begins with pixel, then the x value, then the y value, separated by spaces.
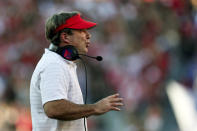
pixel 64 37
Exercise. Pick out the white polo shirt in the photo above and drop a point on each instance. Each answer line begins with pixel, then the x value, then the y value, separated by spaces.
pixel 54 78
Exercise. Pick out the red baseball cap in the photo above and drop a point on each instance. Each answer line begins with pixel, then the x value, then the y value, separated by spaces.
pixel 75 22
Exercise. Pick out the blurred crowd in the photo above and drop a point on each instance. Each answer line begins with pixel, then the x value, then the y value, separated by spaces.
pixel 144 43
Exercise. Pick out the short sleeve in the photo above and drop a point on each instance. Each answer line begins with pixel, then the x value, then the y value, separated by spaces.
pixel 54 83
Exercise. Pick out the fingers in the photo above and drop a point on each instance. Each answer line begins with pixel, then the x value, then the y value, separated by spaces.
pixel 116 100
pixel 109 103
pixel 114 95
pixel 117 104
pixel 115 108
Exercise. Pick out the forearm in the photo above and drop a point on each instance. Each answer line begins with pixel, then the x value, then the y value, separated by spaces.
pixel 66 110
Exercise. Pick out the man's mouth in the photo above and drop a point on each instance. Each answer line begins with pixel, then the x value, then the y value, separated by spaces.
pixel 87 44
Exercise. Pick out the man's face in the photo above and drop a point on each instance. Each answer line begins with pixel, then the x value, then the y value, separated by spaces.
pixel 81 40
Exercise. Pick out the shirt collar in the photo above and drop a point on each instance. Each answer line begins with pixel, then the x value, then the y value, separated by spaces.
pixel 71 63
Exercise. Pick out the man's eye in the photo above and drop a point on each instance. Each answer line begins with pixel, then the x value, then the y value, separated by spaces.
pixel 82 30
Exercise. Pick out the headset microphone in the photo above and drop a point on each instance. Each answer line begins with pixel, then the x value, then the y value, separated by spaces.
pixel 98 58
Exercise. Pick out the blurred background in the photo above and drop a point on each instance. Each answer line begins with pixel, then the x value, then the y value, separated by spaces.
pixel 144 43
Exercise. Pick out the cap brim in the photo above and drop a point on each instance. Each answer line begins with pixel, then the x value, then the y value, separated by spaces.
pixel 82 24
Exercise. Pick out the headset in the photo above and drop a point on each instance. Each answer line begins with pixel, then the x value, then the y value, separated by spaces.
pixel 69 52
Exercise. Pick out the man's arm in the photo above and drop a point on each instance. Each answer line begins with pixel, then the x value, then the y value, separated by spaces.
pixel 66 110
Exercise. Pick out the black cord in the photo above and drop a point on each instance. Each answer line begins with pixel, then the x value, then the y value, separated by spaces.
pixel 86 91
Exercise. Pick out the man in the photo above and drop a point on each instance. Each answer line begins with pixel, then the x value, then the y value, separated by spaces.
pixel 55 95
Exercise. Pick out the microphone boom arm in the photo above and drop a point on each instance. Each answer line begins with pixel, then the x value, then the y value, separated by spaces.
pixel 98 58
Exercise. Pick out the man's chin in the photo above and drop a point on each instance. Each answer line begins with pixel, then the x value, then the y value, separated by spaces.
pixel 84 51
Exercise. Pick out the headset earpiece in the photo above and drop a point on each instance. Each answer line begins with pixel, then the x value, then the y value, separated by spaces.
pixel 68 52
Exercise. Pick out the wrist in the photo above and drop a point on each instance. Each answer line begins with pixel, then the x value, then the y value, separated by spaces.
pixel 94 109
